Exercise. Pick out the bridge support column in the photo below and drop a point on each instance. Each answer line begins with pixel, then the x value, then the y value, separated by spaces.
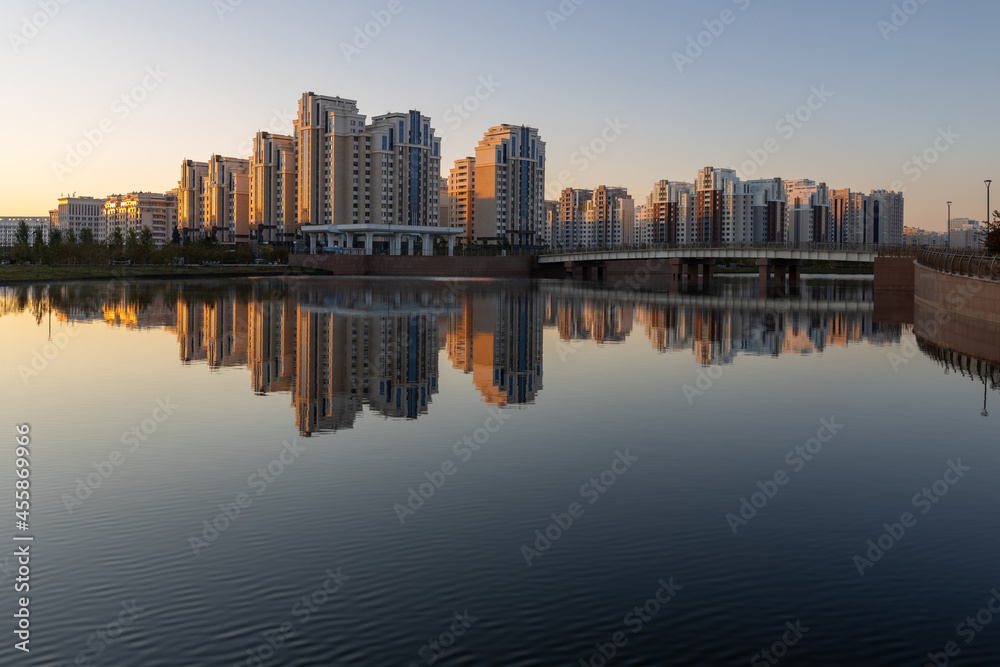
pixel 794 278
pixel 708 268
pixel 692 271
pixel 764 279
pixel 600 272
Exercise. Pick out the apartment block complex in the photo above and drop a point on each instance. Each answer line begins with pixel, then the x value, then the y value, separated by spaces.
pixel 609 218
pixel 571 230
pixel 9 225
pixel 136 210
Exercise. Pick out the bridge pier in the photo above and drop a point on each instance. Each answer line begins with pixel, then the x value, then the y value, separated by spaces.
pixel 771 276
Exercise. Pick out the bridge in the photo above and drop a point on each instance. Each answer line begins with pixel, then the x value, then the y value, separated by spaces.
pixel 773 259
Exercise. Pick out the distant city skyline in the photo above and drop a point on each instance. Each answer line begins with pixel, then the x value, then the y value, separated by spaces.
pixel 871 96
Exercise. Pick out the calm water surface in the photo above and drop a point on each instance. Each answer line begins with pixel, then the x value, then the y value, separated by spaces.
pixel 358 472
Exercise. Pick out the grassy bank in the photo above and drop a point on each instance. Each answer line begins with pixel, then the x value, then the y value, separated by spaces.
pixel 27 273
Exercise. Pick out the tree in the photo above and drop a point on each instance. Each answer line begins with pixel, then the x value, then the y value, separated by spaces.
pixel 117 241
pixel 146 245
pixel 22 252
pixel 88 244
pixel 71 237
pixel 131 244
pixel 22 235
pixel 175 238
pixel 991 239
pixel 55 246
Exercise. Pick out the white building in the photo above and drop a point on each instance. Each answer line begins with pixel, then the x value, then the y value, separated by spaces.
pixel 9 225
pixel 79 213
pixel 966 233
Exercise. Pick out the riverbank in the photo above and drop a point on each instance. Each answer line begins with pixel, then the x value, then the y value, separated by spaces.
pixel 20 274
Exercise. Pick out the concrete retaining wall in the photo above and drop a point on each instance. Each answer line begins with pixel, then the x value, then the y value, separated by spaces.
pixel 972 298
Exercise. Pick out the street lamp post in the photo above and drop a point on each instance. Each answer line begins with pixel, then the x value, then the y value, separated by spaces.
pixel 987 181
pixel 949 224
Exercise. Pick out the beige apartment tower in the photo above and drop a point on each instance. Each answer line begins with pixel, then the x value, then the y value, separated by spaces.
pixel 510 185
pixel 273 188
pixel 462 189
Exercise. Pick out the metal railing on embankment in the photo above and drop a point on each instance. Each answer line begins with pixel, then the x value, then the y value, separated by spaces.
pixel 961 261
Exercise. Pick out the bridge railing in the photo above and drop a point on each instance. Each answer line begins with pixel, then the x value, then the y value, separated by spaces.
pixel 961 261
pixel 880 250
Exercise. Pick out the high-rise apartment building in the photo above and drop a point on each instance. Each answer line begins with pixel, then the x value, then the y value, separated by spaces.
pixel 136 210
pixel 191 199
pixel 462 190
pixel 331 148
pixel 510 185
pixel 227 199
pixel 883 217
pixel 273 188
pixel 571 229
pixel 808 214
pixel 759 210
pixel 663 212
pixel 444 206
pixel 847 216
pixel 713 201
pixel 404 172
pixel 611 215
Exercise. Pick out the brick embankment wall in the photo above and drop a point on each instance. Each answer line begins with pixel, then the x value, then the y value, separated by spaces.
pixel 451 267
pixel 894 274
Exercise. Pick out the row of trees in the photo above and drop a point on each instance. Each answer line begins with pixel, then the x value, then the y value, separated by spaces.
pixel 139 248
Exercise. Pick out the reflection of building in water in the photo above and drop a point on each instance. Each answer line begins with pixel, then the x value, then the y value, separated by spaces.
pixel 385 358
pixel 133 315
pixel 403 362
pixel 718 336
pixel 498 338
pixel 190 330
pixel 600 320
pixel 225 323
pixel 271 344
pixel 330 377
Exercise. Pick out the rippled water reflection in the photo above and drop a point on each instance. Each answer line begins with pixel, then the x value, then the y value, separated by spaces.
pixel 374 472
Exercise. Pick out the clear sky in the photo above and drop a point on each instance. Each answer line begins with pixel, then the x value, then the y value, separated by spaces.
pixel 202 76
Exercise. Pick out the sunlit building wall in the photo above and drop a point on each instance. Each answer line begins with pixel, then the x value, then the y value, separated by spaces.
pixel 191 199
pixel 138 210
pixel 510 185
pixel 273 188
pixel 227 199
pixel 571 230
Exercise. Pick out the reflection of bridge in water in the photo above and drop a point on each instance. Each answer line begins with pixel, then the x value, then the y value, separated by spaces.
pixel 723 302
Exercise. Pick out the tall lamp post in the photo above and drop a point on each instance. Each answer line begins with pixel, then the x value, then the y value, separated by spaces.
pixel 949 224
pixel 987 181
pixel 984 413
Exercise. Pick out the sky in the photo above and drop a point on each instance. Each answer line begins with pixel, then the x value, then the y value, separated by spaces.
pixel 104 96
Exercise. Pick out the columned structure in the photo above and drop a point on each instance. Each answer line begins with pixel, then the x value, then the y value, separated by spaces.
pixel 338 238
